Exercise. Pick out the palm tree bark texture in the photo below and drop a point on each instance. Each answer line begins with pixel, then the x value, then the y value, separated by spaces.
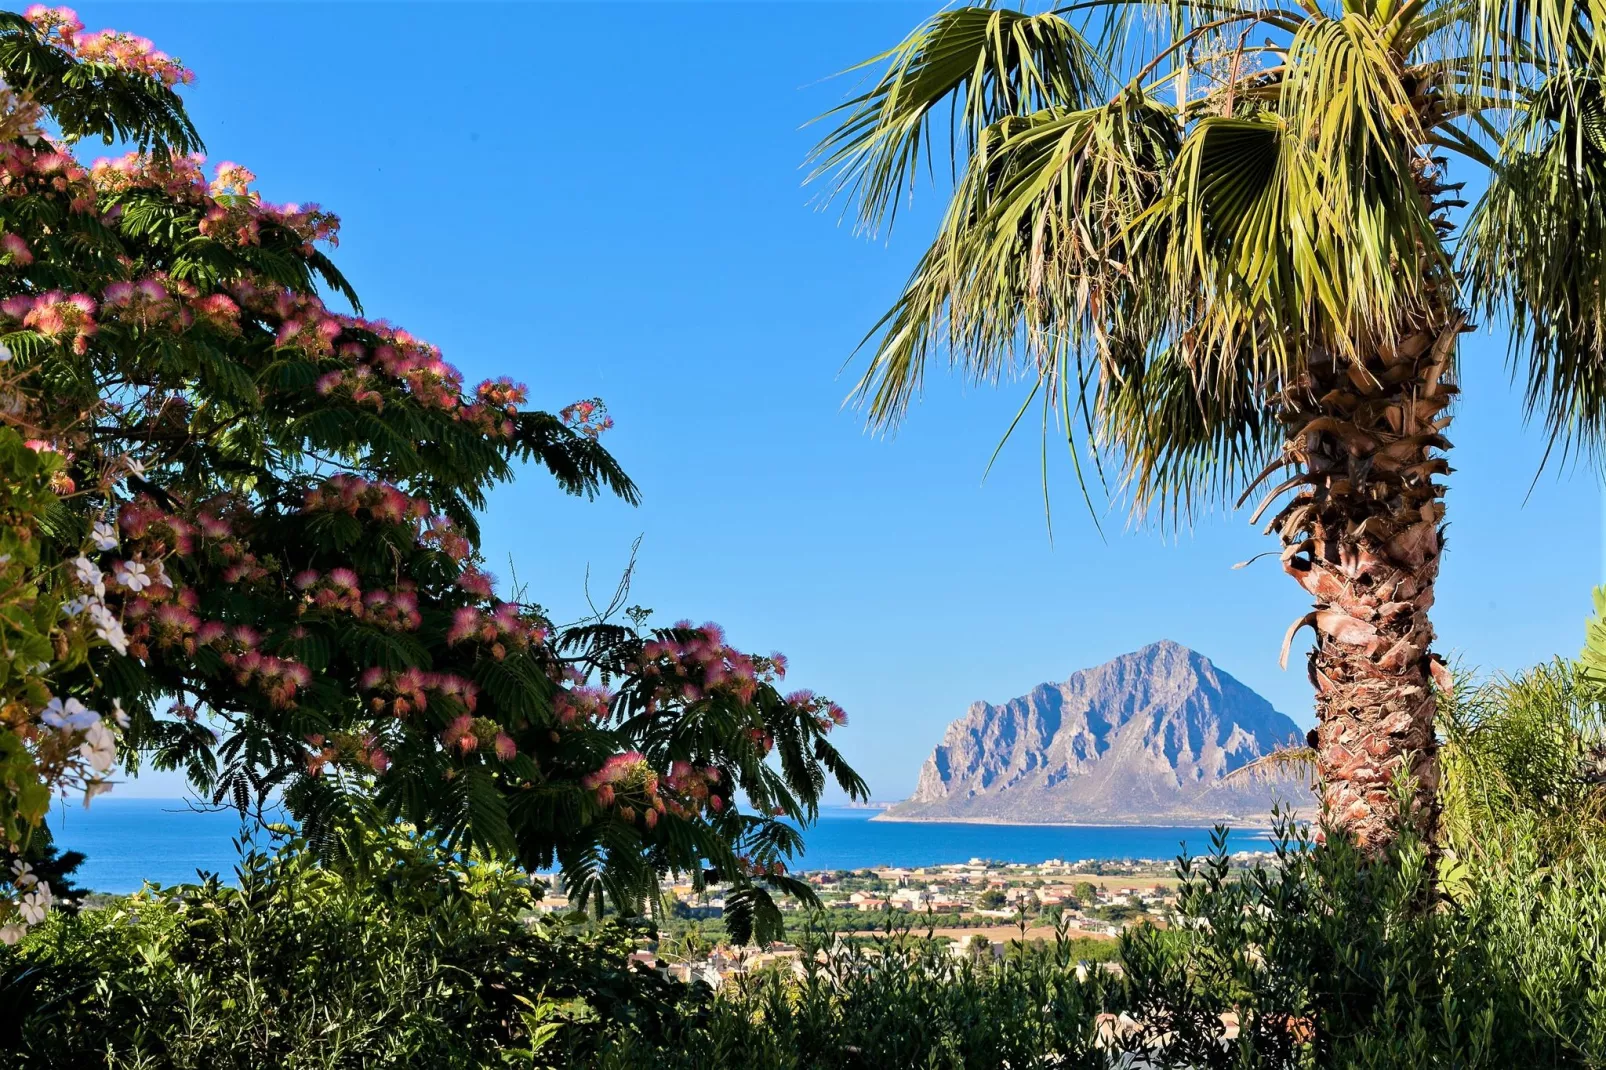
pixel 1363 536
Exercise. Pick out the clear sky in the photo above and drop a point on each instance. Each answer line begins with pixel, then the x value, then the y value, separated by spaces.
pixel 607 200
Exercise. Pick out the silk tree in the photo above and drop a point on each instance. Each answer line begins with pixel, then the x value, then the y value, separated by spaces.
pixel 1221 245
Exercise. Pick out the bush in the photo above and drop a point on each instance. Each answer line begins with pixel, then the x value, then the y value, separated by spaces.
pixel 1316 961
pixel 412 958
pixel 1322 960
pixel 896 1001
pixel 1480 953
pixel 409 956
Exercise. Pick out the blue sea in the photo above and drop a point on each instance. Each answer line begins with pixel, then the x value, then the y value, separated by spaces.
pixel 167 841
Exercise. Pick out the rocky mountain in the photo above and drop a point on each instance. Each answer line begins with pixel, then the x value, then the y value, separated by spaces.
pixel 1142 739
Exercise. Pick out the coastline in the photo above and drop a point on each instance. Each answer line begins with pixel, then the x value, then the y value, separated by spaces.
pixel 1180 822
pixel 131 840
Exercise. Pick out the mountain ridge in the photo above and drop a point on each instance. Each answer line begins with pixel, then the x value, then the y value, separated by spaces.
pixel 1144 738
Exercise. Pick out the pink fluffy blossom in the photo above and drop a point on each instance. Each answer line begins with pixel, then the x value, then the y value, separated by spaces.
pixel 17 249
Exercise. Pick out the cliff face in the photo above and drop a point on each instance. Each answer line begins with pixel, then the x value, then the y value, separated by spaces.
pixel 1145 738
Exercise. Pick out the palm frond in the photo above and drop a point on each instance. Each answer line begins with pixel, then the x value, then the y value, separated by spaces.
pixel 1524 750
pixel 1302 225
pixel 1033 272
pixel 985 63
pixel 1519 44
pixel 1536 254
pixel 1182 447
pixel 1281 765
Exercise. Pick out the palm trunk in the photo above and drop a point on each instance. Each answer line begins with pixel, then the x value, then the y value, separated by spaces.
pixel 1364 536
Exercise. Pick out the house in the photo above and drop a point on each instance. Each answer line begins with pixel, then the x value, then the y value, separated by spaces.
pixel 706 910
pixel 867 901
pixel 963 949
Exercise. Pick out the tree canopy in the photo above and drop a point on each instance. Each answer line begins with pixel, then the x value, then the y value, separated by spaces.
pixel 1161 213
pixel 242 526
pixel 1218 241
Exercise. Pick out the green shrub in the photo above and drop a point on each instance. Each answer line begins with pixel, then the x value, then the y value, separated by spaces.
pixel 1521 759
pixel 1317 960
pixel 408 957
pixel 898 1000
pixel 1324 961
pixel 1485 953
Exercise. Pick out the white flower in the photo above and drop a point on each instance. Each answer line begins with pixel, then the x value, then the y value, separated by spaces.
pixel 88 572
pixel 119 714
pixel 74 606
pixel 158 574
pixel 94 788
pixel 10 934
pixel 133 466
pixel 108 627
pixel 104 536
pixel 99 748
pixel 5 353
pixel 25 876
pixel 131 574
pixel 68 715
pixel 36 904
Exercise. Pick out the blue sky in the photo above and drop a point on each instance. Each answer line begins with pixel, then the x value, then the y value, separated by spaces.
pixel 607 200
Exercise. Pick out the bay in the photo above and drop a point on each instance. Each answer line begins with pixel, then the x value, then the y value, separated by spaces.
pixel 166 841
pixel 847 838
pixel 127 842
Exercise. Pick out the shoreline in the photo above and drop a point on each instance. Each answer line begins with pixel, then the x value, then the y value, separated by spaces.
pixel 1199 823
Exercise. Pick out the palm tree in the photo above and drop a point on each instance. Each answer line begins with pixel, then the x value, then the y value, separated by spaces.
pixel 1219 240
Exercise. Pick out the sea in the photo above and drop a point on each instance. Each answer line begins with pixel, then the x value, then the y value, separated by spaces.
pixel 128 842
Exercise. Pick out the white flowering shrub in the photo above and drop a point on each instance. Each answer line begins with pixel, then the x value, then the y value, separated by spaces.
pixel 51 614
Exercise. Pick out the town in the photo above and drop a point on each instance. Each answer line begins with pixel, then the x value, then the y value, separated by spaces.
pixel 979 908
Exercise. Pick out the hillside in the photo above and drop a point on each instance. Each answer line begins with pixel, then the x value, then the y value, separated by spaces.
pixel 1143 739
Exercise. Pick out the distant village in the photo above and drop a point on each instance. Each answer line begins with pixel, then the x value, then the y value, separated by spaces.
pixel 978 908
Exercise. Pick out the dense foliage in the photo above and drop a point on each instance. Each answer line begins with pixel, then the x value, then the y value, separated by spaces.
pixel 1322 959
pixel 249 529
pixel 402 956
pixel 1493 955
pixel 1323 962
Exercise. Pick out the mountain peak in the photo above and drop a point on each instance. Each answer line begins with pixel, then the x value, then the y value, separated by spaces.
pixel 1145 737
pixel 1165 646
pixel 1165 651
